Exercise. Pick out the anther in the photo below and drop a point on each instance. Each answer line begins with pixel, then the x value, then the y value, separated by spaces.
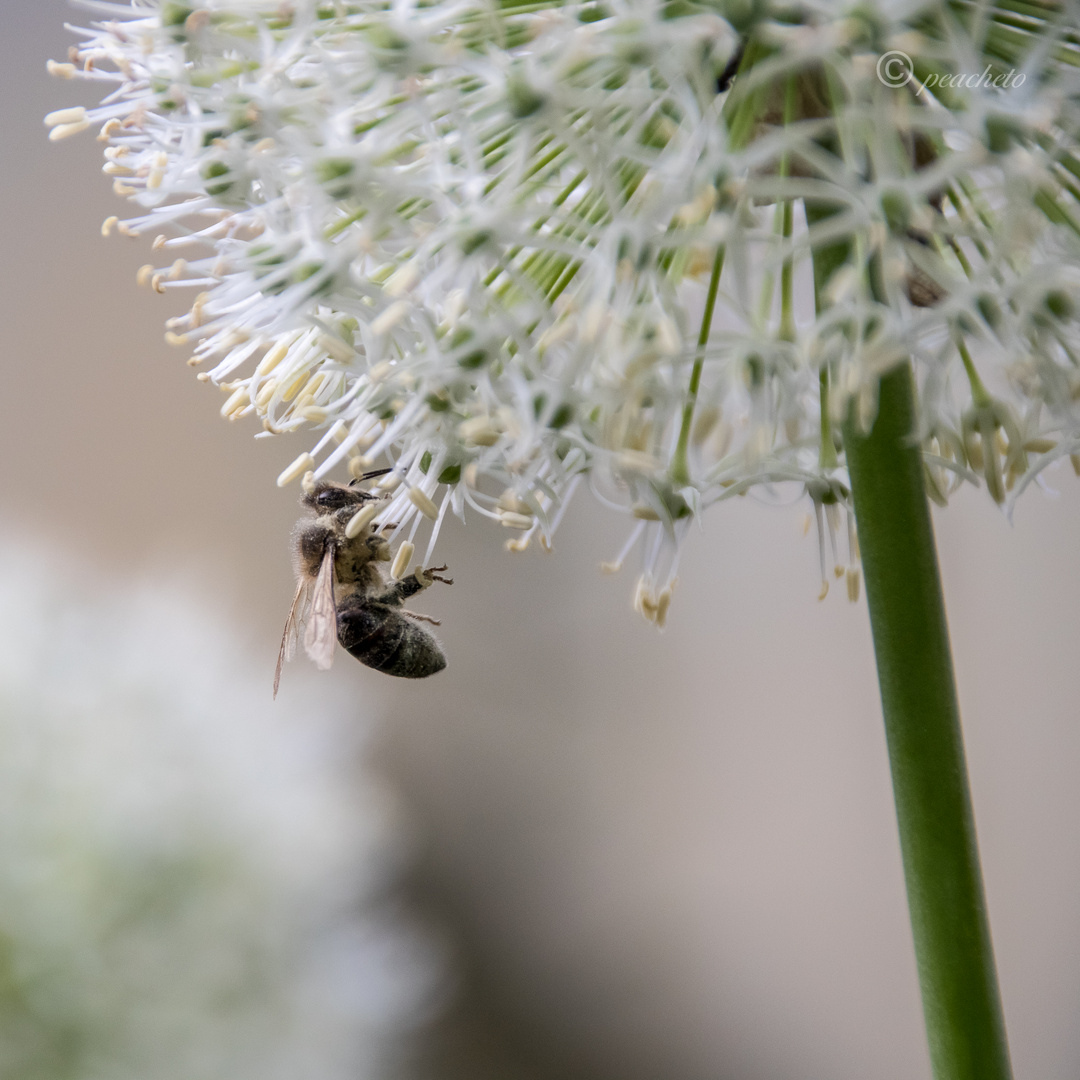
pixel 178 269
pixel 237 401
pixel 144 274
pixel 361 519
pixel 644 513
pixel 61 71
pixel 515 521
pixel 157 283
pixel 422 502
pixel 266 392
pixel 300 466
pixel 479 431
pixel 389 482
pixel 108 225
pixel 517 544
pixel 401 560
pixel 66 117
pixel 109 129
pixel 175 339
pixel 307 482
pixel 390 317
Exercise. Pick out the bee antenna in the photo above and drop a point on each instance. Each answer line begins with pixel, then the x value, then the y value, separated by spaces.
pixel 369 476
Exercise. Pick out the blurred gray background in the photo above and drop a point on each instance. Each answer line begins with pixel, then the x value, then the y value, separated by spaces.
pixel 660 855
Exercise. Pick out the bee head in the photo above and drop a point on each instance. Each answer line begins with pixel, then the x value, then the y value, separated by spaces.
pixel 325 497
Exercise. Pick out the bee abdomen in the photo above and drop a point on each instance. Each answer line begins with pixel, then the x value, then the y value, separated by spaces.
pixel 382 638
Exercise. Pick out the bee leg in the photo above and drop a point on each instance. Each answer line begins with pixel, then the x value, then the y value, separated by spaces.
pixel 421 618
pixel 400 591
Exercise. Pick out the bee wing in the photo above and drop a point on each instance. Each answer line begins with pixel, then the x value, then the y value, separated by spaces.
pixel 288 637
pixel 320 637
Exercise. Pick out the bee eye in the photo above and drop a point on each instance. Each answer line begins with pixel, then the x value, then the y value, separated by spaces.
pixel 332 499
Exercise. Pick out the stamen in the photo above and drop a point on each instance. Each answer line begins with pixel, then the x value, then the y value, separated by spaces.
pixel 423 503
pixel 401 560
pixel 300 466
pixel 515 521
pixel 361 519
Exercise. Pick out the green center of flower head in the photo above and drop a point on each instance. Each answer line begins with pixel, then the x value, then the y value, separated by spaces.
pixel 667 247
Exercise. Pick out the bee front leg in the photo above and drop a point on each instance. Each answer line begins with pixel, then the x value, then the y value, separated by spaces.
pixel 416 582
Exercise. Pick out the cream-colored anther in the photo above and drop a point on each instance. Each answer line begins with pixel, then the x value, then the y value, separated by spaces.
pixel 177 270
pixel 362 519
pixel 337 349
pixel 294 387
pixel 824 589
pixel 1075 459
pixel 314 414
pixel 479 431
pixel 390 317
pixel 143 275
pixel 274 355
pixel 108 225
pixel 610 567
pixel 401 560
pixel 1039 446
pixel 636 461
pixel 62 117
pixel 263 145
pixel 175 339
pixel 517 544
pixel 120 189
pixel 402 280
pixel 379 371
pixel 509 500
pixel 203 376
pixel 307 482
pixel 157 283
pixel 63 131
pixel 109 129
pixel 472 475
pixel 339 432
pixel 422 501
pixel 194 361
pixel 390 481
pixel 266 392
pixel 237 401
pixel 515 521
pixel 300 466
pixel 114 168
pixel 59 70
pixel 546 544
pixel 644 513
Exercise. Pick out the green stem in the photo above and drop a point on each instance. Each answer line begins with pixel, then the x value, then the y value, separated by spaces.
pixel 680 468
pixel 955 959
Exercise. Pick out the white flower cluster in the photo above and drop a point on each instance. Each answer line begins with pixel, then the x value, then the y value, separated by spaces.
pixel 193 885
pixel 507 246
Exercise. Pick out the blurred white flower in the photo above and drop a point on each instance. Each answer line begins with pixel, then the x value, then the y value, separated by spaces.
pixel 517 245
pixel 193 881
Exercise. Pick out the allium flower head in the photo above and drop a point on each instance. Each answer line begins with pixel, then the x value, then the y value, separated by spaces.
pixel 662 247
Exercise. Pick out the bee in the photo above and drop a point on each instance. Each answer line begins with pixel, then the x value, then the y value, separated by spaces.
pixel 341 592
